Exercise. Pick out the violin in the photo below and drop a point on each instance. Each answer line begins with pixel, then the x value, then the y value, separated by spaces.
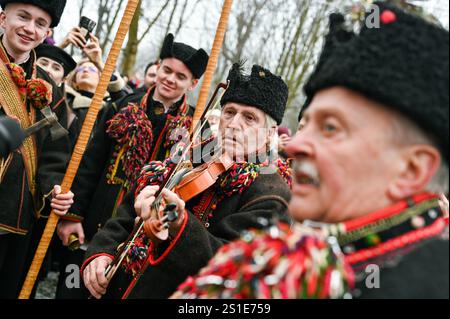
pixel 192 184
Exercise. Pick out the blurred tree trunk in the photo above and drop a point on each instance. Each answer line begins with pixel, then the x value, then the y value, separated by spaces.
pixel 131 49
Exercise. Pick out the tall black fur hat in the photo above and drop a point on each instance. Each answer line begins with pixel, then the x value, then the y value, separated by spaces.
pixel 404 65
pixel 57 54
pixel 195 60
pixel 54 8
pixel 260 89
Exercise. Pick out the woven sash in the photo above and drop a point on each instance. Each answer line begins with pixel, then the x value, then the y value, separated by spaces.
pixel 13 105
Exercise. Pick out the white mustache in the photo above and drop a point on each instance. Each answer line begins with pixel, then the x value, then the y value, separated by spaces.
pixel 307 168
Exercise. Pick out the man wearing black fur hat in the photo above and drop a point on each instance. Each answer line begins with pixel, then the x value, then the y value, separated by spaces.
pixel 374 145
pixel 28 176
pixel 129 134
pixel 248 194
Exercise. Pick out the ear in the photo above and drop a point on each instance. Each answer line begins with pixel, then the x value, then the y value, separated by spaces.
pixel 420 164
pixel 46 35
pixel 2 19
pixel 193 84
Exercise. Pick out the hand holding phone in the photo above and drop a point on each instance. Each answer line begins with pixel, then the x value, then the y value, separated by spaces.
pixel 87 26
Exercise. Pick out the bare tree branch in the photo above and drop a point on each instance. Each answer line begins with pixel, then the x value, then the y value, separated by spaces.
pixel 151 23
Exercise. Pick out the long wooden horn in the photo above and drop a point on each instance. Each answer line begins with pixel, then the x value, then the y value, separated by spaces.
pixel 81 145
pixel 213 59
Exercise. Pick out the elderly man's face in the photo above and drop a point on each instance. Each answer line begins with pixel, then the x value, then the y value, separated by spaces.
pixel 243 131
pixel 345 158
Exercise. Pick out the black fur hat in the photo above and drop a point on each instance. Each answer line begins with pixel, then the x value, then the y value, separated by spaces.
pixel 54 8
pixel 57 54
pixel 195 60
pixel 404 65
pixel 261 89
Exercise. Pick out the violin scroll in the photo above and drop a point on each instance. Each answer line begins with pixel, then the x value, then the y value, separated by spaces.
pixel 157 229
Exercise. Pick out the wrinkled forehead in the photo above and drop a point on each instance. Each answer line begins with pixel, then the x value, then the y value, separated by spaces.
pixel 348 105
pixel 239 107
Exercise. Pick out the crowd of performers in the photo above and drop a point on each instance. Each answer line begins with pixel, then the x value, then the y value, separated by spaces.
pixel 351 206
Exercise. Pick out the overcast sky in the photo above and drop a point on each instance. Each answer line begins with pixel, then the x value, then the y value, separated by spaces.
pixel 194 33
pixel 440 8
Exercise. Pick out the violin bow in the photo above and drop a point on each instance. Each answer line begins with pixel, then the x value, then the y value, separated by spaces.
pixel 81 145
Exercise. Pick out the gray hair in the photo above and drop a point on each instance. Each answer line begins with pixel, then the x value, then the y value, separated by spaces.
pixel 407 132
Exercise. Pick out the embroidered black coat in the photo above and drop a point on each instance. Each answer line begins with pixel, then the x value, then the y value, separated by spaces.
pixel 17 208
pixel 195 245
pixel 96 199
pixel 417 267
pixel 420 274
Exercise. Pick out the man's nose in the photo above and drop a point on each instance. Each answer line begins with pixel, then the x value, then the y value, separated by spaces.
pixel 171 78
pixel 235 123
pixel 300 145
pixel 29 27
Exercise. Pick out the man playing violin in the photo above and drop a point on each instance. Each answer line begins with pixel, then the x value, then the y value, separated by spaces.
pixel 128 135
pixel 249 194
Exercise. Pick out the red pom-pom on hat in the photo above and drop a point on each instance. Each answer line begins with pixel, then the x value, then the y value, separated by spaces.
pixel 388 17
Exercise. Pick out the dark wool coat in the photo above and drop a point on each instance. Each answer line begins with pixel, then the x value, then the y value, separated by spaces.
pixel 17 211
pixel 195 245
pixel 411 259
pixel 420 274
pixel 96 200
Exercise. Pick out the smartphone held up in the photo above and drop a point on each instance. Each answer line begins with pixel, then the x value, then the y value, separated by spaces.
pixel 87 26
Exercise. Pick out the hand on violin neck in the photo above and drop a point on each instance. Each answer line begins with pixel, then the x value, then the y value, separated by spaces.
pixel 144 201
pixel 178 207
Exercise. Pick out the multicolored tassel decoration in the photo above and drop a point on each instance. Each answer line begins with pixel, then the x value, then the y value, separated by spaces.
pixel 277 263
pixel 132 129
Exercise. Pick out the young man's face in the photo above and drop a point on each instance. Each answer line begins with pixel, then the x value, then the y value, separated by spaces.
pixel 345 156
pixel 26 26
pixel 54 69
pixel 174 80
